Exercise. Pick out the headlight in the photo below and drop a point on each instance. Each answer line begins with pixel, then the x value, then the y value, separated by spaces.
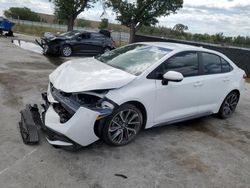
pixel 106 104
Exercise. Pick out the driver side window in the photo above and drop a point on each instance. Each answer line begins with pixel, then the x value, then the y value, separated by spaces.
pixel 185 62
pixel 85 36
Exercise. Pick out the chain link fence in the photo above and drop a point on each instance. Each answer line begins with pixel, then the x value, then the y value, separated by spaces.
pixel 117 36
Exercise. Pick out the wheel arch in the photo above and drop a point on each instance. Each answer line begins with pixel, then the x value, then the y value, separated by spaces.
pixel 98 126
pixel 234 90
pixel 142 108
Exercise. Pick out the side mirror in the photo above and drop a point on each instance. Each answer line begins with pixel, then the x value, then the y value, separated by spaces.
pixel 172 76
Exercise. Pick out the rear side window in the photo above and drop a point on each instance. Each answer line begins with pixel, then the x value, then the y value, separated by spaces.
pixel 211 63
pixel 225 66
pixel 85 36
pixel 185 62
pixel 97 36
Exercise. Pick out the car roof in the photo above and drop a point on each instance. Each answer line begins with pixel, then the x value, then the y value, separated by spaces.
pixel 185 47
pixel 176 46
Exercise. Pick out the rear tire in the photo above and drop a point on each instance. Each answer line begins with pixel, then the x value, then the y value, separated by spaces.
pixel 66 51
pixel 10 34
pixel 229 105
pixel 123 125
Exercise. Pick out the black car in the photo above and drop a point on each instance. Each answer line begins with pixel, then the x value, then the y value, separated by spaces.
pixel 77 42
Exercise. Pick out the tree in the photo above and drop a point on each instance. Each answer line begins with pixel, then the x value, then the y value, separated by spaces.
pixel 180 28
pixel 68 10
pixel 23 13
pixel 137 13
pixel 104 23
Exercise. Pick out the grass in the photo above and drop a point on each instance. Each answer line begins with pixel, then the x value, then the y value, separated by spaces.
pixel 34 30
pixel 114 27
pixel 248 80
pixel 39 31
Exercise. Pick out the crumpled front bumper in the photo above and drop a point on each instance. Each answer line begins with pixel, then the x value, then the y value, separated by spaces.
pixel 78 129
pixel 47 47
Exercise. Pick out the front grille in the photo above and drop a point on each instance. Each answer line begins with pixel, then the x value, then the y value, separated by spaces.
pixel 66 100
pixel 62 112
pixel 59 108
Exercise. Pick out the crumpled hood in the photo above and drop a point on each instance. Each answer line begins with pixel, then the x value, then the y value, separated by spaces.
pixel 51 37
pixel 88 74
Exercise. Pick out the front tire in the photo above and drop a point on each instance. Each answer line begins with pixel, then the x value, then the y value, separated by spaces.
pixel 66 51
pixel 229 105
pixel 123 125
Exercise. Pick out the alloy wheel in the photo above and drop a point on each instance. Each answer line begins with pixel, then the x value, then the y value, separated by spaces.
pixel 124 126
pixel 230 104
pixel 67 51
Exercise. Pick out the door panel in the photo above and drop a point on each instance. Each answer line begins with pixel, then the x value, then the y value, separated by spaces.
pixel 177 100
pixel 216 81
pixel 214 89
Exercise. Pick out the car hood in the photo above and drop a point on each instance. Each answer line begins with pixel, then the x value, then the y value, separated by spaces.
pixel 88 74
pixel 51 37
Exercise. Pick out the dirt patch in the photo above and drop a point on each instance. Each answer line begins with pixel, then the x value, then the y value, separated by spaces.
pixel 194 163
pixel 30 66
pixel 8 81
pixel 190 161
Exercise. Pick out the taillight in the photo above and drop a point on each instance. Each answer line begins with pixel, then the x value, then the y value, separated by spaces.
pixel 244 76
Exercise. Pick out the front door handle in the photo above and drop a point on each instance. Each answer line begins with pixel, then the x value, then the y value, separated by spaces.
pixel 227 79
pixel 198 84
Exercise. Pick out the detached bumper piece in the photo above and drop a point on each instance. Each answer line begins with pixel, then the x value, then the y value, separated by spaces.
pixel 29 124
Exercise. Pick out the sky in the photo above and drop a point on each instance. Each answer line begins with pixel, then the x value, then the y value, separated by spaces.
pixel 232 17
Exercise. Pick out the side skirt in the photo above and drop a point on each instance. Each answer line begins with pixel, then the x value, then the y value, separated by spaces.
pixel 184 119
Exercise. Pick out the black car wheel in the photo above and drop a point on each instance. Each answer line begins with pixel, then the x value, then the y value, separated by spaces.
pixel 123 125
pixel 66 51
pixel 229 105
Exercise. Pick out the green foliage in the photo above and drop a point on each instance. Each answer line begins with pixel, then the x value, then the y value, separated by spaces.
pixel 104 23
pixel 140 13
pixel 68 10
pixel 21 13
pixel 180 28
pixel 217 38
pixel 34 30
pixel 143 12
pixel 83 23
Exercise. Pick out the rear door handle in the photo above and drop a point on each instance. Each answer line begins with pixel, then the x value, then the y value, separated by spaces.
pixel 226 79
pixel 198 84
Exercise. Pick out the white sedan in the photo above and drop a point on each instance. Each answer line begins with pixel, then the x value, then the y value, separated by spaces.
pixel 135 87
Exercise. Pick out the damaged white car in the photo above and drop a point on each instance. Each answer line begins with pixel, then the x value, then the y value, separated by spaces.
pixel 115 95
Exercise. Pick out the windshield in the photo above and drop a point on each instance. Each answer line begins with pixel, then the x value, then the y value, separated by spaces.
pixel 135 58
pixel 69 34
